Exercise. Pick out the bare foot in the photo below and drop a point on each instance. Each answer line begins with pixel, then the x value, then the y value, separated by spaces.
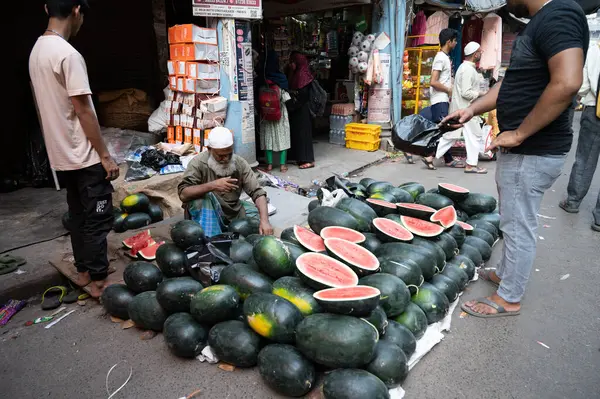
pixel 489 275
pixel 283 168
pixel 97 288
pixel 269 167
pixel 82 279
pixel 482 308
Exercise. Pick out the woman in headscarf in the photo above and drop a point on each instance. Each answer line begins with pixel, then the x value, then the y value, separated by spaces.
pixel 275 135
pixel 300 118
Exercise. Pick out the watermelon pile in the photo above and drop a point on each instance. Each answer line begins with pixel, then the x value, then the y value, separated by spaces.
pixel 351 292
pixel 136 211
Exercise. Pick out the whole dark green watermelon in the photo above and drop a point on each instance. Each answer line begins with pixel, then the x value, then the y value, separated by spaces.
pixel 415 189
pixel 324 216
pixel 145 311
pixel 244 226
pixel 353 384
pixel 458 275
pixel 458 233
pixel 119 222
pixel 371 241
pixel 295 250
pixel 435 201
pixel 484 235
pixel 379 187
pixel 136 221
pixel 484 225
pixel 465 263
pixel 389 364
pixel 472 253
pixel 235 343
pixel 394 293
pixel 245 280
pixel 184 336
pixel 142 276
pixel 362 212
pixel 400 335
pixel 289 235
pixel 405 269
pixel 478 203
pixel 447 242
pixel 493 218
pixel 273 257
pixel 285 370
pixel 272 316
pixel 215 304
pixel 155 212
pixel 378 318
pixel 175 294
pixel 483 247
pixel 135 203
pixel 171 260
pixel 432 302
pixel 414 319
pixel 433 246
pixel 292 289
pixel 116 299
pixel 313 204
pixel 401 195
pixel 187 233
pixel 398 251
pixel 240 251
pixel 447 286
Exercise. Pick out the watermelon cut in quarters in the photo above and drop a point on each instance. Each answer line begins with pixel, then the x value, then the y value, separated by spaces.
pixel 143 236
pixel 445 217
pixel 138 246
pixel 360 259
pixel 422 228
pixel 309 240
pixel 321 271
pixel 452 191
pixel 149 253
pixel 359 300
pixel 415 210
pixel 344 233
pixel 381 207
pixel 466 226
pixel 390 231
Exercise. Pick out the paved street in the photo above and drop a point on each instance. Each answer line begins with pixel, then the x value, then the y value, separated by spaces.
pixel 496 358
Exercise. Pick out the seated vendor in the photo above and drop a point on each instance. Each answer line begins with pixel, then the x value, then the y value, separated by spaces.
pixel 212 185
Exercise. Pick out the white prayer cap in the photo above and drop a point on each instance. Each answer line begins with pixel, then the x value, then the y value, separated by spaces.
pixel 471 47
pixel 220 137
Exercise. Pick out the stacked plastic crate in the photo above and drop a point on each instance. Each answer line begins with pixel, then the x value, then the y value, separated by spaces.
pixel 360 136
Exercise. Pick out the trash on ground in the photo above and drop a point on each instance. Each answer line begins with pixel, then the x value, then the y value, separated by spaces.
pixel 546 217
pixel 207 355
pixel 115 319
pixel 19 271
pixel 42 319
pixel 148 335
pixel 127 324
pixel 542 238
pixel 112 394
pixel 543 344
pixel 226 367
pixel 59 319
pixel 565 276
pixel 546 226
pixel 463 315
pixel 537 270
pixel 10 309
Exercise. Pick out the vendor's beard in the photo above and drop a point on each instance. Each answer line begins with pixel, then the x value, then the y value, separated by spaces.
pixel 221 170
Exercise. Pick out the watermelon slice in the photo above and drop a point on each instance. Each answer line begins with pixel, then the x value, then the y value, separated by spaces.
pixel 309 240
pixel 138 246
pixel 149 253
pixel 466 226
pixel 360 259
pixel 422 228
pixel 144 236
pixel 360 300
pixel 321 271
pixel 415 210
pixel 445 216
pixel 452 191
pixel 344 233
pixel 391 231
pixel 381 207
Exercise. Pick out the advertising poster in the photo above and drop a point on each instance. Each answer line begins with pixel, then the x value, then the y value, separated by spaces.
pixel 243 9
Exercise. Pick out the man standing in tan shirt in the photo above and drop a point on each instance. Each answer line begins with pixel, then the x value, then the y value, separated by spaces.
pixel 73 139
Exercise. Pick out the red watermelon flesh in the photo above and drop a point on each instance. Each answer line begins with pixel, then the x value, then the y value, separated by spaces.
pixel 381 203
pixel 465 226
pixel 454 187
pixel 360 259
pixel 308 239
pixel 344 233
pixel 144 236
pixel 421 228
pixel 149 253
pixel 138 246
pixel 321 271
pixel 445 216
pixel 357 292
pixel 394 230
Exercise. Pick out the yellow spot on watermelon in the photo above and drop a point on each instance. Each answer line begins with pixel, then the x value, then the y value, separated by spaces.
pixel 259 323
pixel 303 305
pixel 130 200
pixel 213 288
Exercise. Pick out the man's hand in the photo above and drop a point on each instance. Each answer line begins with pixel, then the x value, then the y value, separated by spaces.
pixel 111 168
pixel 508 139
pixel 450 91
pixel 225 185
pixel 265 228
pixel 463 116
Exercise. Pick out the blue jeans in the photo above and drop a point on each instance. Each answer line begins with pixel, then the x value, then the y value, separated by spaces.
pixel 586 160
pixel 522 181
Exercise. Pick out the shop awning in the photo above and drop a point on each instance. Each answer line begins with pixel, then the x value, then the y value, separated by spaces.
pixel 283 8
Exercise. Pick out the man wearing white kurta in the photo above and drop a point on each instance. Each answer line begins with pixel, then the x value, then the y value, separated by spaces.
pixel 465 91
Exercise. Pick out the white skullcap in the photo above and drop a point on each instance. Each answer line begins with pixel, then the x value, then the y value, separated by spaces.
pixel 471 47
pixel 220 137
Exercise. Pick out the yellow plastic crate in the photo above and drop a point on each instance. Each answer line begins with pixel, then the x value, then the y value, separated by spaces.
pixel 362 132
pixel 363 145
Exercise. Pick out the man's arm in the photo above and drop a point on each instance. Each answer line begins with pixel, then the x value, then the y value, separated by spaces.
pixel 193 187
pixel 265 227
pixel 89 122
pixel 259 196
pixel 480 106
pixel 435 83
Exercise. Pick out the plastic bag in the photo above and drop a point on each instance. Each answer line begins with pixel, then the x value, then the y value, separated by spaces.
pixel 135 153
pixel 154 159
pixel 416 135
pixel 137 171
pixel 332 198
pixel 205 263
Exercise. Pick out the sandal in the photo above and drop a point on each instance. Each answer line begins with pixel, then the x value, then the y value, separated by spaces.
pixel 409 159
pixel 429 164
pixel 501 312
pixel 477 170
pixel 52 298
pixel 75 295
pixel 307 165
pixel 456 164
pixel 484 274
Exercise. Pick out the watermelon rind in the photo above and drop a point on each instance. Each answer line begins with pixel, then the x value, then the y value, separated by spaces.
pixel 466 226
pixel 432 302
pixel 483 247
pixel 349 253
pixel 353 383
pixel 447 286
pixel 452 191
pixel 446 217
pixel 422 228
pixel 292 289
pixel 343 233
pixel 141 236
pixel 235 343
pixel 415 210
pixel 309 240
pixel 362 212
pixel 272 316
pixel 456 274
pixel 184 336
pixel 324 216
pixel 311 263
pixel 406 270
pixel 400 335
pixel 382 207
pixel 285 370
pixel 382 226
pixel 414 319
pixel 435 201
pixel 389 364
pixel 394 293
pixel 478 203
pixel 349 301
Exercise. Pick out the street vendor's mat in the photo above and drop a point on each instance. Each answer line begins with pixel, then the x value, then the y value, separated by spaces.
pixel 31 215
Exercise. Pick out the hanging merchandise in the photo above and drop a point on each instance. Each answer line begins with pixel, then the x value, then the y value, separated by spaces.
pixel 471 32
pixel 455 22
pixel 418 29
pixel 491 44
pixel 435 23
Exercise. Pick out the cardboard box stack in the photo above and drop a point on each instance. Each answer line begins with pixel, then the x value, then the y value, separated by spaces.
pixel 194 105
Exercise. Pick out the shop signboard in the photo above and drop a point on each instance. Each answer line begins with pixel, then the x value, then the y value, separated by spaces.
pixel 281 8
pixel 243 49
pixel 242 9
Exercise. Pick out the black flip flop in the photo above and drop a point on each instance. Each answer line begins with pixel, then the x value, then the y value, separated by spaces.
pixel 52 298
pixel 429 164
pixel 499 308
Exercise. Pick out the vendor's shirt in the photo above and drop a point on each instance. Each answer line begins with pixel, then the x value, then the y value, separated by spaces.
pixel 57 73
pixel 441 63
pixel 560 25
pixel 198 172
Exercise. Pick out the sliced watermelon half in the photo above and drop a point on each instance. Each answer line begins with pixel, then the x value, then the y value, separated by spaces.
pixel 360 300
pixel 466 226
pixel 344 233
pixel 381 207
pixel 421 228
pixel 320 271
pixel 445 217
pixel 138 246
pixel 452 191
pixel 149 253
pixel 143 236
pixel 308 239
pixel 360 259
pixel 415 210
pixel 391 231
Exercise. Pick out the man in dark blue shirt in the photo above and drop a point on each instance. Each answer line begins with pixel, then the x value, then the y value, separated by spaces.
pixel 533 104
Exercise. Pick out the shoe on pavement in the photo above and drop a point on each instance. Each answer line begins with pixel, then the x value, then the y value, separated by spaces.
pixel 596 227
pixel 564 205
